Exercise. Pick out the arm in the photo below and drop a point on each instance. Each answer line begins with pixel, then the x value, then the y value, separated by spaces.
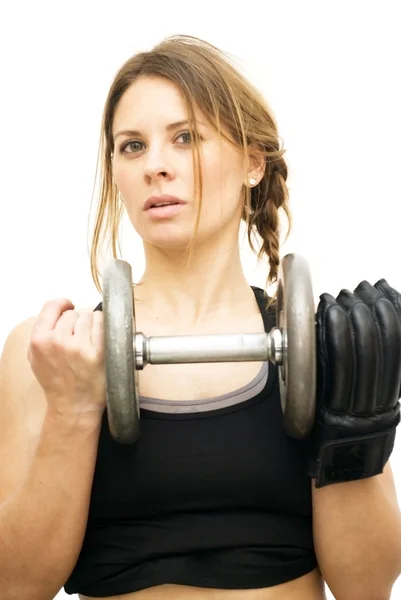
pixel 47 464
pixel 357 520
pixel 357 534
pixel 42 524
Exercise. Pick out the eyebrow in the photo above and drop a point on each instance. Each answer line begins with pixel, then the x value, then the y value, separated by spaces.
pixel 170 127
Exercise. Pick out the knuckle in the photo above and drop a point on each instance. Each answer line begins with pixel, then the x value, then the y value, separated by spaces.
pixel 58 346
pixel 53 303
pixel 91 358
pixel 72 347
pixel 93 354
pixel 69 314
pixel 39 342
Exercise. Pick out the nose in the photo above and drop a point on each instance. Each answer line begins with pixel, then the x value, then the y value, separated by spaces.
pixel 157 166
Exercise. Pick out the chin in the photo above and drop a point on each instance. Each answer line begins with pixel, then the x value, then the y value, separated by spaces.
pixel 172 237
pixel 168 241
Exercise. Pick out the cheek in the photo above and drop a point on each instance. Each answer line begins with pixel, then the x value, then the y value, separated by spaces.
pixel 122 174
pixel 128 183
pixel 223 180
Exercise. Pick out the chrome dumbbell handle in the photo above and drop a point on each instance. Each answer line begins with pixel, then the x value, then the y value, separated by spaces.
pixel 180 349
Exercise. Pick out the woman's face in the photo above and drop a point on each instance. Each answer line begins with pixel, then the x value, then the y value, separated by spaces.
pixel 153 164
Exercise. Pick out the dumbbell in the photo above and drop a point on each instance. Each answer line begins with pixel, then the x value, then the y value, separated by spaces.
pixel 290 345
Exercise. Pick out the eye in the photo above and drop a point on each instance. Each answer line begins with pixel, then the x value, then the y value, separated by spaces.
pixel 134 146
pixel 187 136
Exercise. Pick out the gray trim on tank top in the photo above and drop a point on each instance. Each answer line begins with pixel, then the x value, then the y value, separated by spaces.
pixel 188 406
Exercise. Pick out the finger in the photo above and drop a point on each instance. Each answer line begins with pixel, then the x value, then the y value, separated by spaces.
pixel 49 315
pixel 65 325
pixel 394 297
pixel 97 332
pixel 388 327
pixel 366 351
pixel 82 328
pixel 335 355
pixel 391 294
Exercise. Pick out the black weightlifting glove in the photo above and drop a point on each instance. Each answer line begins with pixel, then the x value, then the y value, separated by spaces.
pixel 358 383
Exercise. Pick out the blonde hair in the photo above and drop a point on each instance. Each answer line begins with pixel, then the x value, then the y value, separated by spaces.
pixel 208 80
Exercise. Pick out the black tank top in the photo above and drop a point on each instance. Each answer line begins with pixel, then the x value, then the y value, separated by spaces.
pixel 216 498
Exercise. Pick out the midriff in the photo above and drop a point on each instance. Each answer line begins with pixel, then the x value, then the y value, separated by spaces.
pixel 308 587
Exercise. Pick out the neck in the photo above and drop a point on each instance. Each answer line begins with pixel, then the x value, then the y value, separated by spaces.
pixel 210 286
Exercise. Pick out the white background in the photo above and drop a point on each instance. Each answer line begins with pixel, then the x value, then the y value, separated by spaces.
pixel 330 71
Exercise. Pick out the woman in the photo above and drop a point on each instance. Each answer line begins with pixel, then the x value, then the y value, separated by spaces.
pixel 215 501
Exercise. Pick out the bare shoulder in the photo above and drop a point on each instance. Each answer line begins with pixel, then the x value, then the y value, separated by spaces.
pixel 22 405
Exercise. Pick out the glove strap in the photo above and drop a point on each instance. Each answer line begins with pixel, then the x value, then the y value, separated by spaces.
pixel 354 458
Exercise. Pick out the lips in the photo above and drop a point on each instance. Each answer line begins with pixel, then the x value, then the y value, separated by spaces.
pixel 163 200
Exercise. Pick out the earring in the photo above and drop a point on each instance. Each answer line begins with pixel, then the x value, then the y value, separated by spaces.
pixel 252 181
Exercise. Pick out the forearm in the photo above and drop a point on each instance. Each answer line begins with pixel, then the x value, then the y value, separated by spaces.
pixel 43 522
pixel 357 529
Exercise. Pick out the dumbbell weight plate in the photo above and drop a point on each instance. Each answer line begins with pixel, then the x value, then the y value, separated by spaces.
pixel 122 395
pixel 295 317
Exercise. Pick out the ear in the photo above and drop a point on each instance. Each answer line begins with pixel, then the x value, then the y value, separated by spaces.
pixel 256 166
